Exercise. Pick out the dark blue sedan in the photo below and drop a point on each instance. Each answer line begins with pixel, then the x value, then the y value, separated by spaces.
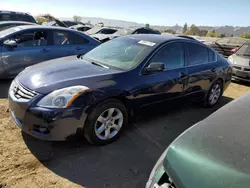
pixel 27 45
pixel 96 92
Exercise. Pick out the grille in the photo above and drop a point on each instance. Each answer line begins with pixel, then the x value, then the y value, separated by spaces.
pixel 22 92
pixel 242 68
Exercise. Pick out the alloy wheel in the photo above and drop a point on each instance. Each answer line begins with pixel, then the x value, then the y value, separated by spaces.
pixel 214 94
pixel 109 123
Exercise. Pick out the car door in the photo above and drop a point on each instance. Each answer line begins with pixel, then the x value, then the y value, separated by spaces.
pixel 168 84
pixel 82 44
pixel 66 43
pixel 201 68
pixel 30 49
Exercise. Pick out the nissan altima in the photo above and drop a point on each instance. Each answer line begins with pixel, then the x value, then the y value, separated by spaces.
pixel 97 92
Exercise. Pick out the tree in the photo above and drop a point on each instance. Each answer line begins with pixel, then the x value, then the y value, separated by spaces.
pixel 213 34
pixel 222 35
pixel 40 19
pixel 170 31
pixel 147 25
pixel 185 28
pixel 49 17
pixel 77 18
pixel 246 36
pixel 194 30
pixel 203 32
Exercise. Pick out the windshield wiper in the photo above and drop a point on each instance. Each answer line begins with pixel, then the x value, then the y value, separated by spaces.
pixel 99 64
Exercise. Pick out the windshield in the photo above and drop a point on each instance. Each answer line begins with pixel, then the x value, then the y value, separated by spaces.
pixel 244 50
pixel 121 53
pixel 8 31
pixel 93 30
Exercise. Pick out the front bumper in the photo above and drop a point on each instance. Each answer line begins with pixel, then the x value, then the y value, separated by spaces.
pixel 241 73
pixel 43 123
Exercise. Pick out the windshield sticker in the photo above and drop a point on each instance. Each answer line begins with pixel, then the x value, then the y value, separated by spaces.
pixel 148 43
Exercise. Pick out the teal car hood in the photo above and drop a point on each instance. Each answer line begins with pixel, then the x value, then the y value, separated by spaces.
pixel 215 153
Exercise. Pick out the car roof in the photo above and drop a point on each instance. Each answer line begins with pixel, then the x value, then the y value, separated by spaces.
pixel 22 27
pixel 13 12
pixel 158 39
pixel 6 22
pixel 223 137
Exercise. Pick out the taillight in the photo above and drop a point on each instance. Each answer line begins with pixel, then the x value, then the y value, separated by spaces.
pixel 234 50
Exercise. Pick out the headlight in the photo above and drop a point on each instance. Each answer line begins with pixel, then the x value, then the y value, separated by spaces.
pixel 62 98
pixel 230 60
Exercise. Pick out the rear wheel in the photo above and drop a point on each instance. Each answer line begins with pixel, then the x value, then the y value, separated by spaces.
pixel 106 122
pixel 214 94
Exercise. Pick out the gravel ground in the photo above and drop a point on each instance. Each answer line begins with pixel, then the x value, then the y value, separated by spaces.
pixel 28 162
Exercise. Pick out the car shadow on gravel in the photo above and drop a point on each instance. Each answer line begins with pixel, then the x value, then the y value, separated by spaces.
pixel 128 161
pixel 4 88
pixel 240 82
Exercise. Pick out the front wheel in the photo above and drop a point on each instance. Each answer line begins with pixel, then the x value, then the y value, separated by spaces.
pixel 106 122
pixel 214 94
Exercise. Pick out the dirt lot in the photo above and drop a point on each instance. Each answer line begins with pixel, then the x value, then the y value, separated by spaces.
pixel 27 162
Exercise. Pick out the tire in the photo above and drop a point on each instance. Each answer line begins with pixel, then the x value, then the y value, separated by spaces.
pixel 99 122
pixel 216 90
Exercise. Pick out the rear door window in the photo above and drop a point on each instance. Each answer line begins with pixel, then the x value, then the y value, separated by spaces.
pixel 197 54
pixel 80 39
pixel 63 38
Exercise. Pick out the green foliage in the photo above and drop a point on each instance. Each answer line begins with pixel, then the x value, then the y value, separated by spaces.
pixel 246 35
pixel 170 31
pixel 222 35
pixel 194 30
pixel 77 18
pixel 203 32
pixel 213 34
pixel 40 20
pixel 49 17
pixel 185 28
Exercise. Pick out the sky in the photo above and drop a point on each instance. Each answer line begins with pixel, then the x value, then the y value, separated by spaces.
pixel 154 12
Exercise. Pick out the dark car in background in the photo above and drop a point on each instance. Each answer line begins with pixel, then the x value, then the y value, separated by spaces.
pixel 145 30
pixel 80 27
pixel 97 92
pixel 16 16
pixel 213 153
pixel 241 62
pixel 8 24
pixel 72 23
pixel 27 45
pixel 225 45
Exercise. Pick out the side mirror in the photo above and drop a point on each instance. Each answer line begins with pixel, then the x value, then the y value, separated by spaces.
pixel 155 67
pixel 10 44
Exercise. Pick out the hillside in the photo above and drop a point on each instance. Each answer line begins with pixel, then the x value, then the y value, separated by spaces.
pixel 228 30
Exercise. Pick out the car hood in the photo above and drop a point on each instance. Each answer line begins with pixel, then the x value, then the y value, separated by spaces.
pixel 214 152
pixel 241 60
pixel 63 72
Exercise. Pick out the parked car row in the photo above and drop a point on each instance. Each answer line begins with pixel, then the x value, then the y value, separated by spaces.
pixel 225 45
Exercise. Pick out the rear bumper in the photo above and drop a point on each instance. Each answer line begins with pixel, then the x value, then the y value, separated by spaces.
pixel 46 124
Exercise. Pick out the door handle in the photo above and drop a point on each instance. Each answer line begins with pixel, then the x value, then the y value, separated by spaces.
pixel 45 50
